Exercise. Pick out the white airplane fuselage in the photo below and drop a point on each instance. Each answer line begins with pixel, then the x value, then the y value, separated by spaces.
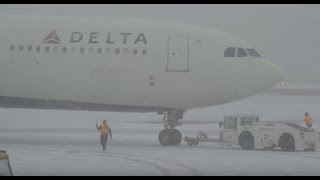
pixel 108 64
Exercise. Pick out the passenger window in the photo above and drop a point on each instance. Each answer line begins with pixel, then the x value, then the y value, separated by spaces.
pixel 64 49
pixel 91 50
pixel 144 51
pixel 117 51
pixel 38 48
pixel 55 49
pixel 29 48
pixel 253 53
pixel 82 50
pixel 108 51
pixel 135 51
pixel 241 52
pixel 126 51
pixel 230 52
pixel 12 48
pixel 73 49
pixel 99 50
pixel 21 47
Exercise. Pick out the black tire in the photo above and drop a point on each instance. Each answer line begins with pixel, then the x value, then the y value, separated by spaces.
pixel 286 142
pixel 164 137
pixel 176 137
pixel 246 140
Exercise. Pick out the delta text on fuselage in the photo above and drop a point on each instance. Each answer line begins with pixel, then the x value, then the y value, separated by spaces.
pixel 109 38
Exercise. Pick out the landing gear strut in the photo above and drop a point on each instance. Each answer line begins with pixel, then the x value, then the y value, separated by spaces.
pixel 170 136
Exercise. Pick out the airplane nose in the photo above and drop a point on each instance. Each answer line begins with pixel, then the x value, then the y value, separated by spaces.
pixel 274 73
pixel 260 77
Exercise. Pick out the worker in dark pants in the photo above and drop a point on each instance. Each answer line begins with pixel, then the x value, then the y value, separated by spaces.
pixel 105 130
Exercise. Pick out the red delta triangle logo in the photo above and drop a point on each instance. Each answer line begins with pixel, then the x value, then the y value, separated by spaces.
pixel 52 38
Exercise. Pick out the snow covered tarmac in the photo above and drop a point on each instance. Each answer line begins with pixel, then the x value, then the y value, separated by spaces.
pixel 132 160
pixel 44 142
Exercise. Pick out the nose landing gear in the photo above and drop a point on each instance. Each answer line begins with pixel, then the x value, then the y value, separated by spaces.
pixel 171 136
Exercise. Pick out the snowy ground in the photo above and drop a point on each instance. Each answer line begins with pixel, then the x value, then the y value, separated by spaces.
pixel 43 142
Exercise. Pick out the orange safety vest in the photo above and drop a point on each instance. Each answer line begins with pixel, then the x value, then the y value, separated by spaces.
pixel 104 129
pixel 308 120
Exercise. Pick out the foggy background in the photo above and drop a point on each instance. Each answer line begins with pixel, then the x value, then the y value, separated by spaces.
pixel 289 35
pixel 50 142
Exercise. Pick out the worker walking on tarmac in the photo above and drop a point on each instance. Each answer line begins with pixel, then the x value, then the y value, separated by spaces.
pixel 308 120
pixel 105 130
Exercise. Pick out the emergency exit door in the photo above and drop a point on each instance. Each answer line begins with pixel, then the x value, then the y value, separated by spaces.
pixel 178 53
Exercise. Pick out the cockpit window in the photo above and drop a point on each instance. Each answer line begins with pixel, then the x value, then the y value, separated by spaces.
pixel 241 52
pixel 230 52
pixel 253 53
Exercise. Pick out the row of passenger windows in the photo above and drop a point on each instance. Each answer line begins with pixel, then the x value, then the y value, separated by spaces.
pixel 240 52
pixel 65 49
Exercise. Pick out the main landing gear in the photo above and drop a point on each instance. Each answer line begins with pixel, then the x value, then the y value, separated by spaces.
pixel 171 136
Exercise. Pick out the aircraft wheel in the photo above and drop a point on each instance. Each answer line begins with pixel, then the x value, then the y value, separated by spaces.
pixel 176 137
pixel 164 137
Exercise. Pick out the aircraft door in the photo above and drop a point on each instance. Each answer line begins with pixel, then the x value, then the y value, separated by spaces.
pixel 178 53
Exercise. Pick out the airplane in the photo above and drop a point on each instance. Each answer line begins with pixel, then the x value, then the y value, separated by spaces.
pixel 126 65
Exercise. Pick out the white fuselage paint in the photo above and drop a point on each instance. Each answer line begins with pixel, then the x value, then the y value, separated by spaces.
pixel 183 66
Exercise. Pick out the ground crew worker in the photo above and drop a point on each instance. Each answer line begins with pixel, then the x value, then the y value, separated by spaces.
pixel 308 120
pixel 105 130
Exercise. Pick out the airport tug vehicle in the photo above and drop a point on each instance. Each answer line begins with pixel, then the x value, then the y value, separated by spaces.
pixel 5 167
pixel 249 133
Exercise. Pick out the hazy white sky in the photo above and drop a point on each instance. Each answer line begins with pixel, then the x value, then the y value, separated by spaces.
pixel 289 35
